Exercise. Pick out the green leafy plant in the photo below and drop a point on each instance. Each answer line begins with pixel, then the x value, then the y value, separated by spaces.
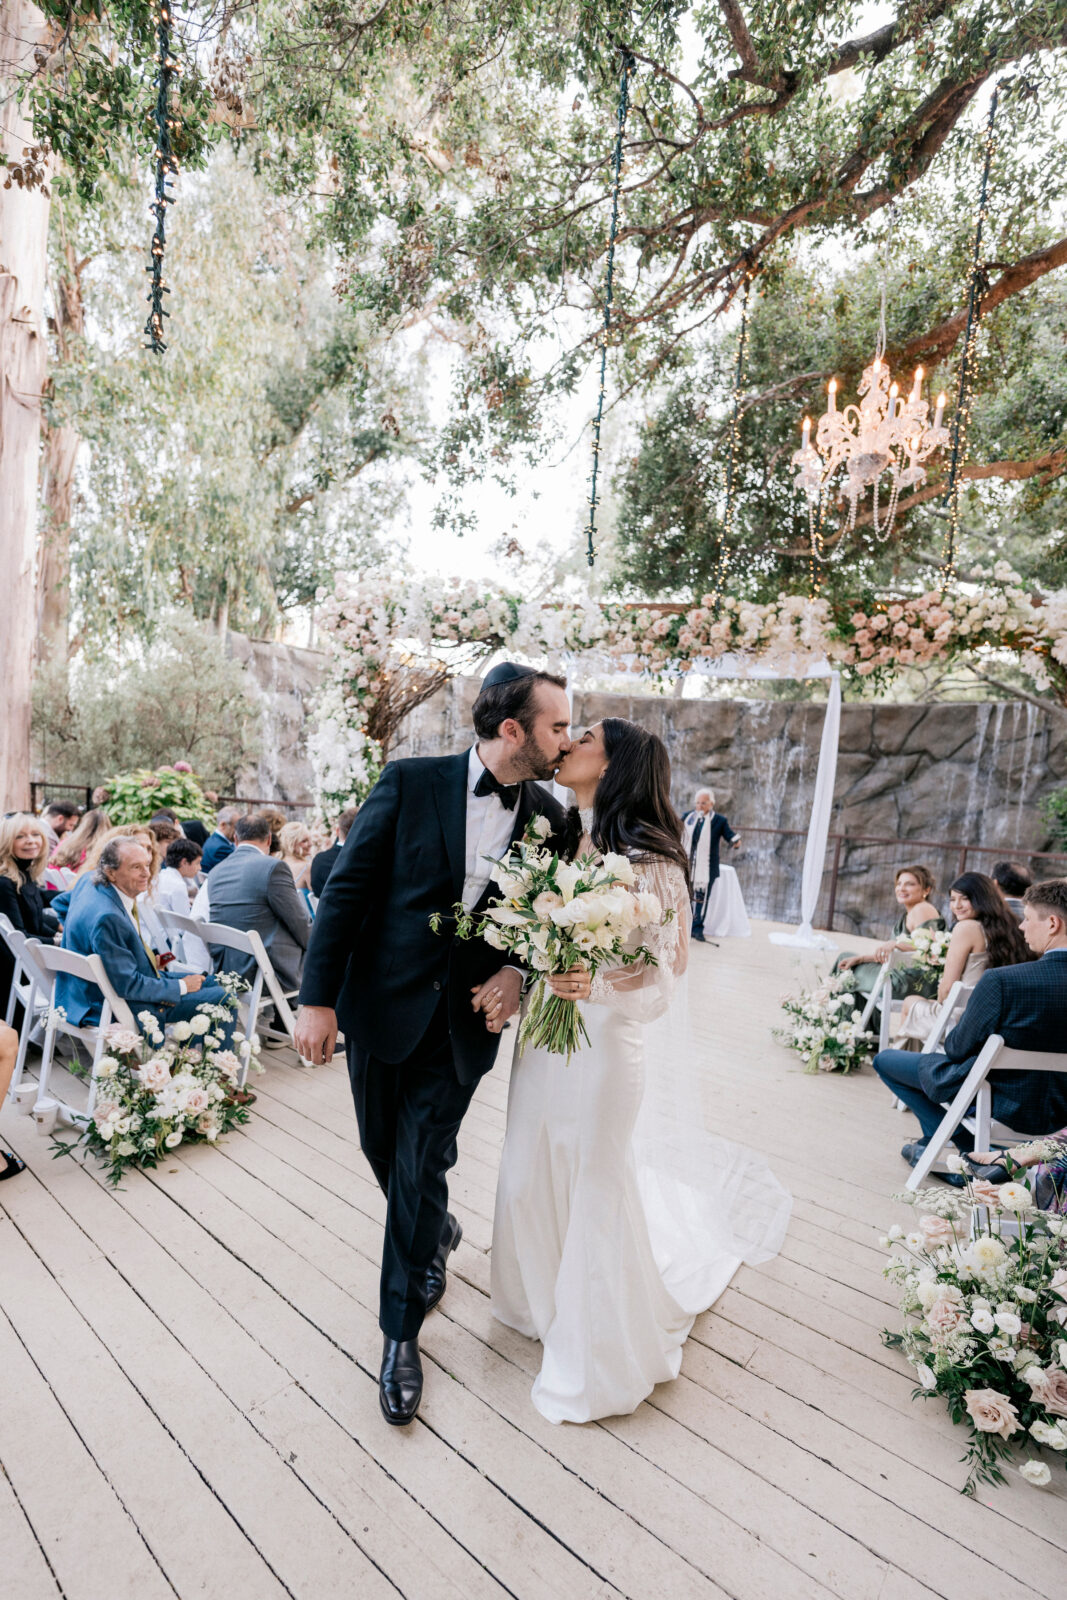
pixel 1054 812
pixel 137 796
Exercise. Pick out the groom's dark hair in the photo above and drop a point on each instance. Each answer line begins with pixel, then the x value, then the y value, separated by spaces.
pixel 515 699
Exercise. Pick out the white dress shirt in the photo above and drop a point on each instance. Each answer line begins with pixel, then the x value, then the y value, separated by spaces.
pixel 489 825
pixel 139 929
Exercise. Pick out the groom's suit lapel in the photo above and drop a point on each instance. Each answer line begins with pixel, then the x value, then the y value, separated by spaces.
pixel 450 798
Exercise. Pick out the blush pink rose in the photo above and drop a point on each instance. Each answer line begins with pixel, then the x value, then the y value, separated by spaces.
pixel 942 1319
pixel 155 1075
pixel 991 1412
pixel 546 902
pixel 986 1193
pixel 936 1230
pixel 195 1102
pixel 1051 1392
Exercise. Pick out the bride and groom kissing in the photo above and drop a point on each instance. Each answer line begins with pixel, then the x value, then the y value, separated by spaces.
pixel 618 1216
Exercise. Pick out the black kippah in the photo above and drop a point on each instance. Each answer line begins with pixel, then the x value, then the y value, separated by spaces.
pixel 505 672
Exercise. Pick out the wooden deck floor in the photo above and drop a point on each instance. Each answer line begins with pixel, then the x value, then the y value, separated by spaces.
pixel 188 1401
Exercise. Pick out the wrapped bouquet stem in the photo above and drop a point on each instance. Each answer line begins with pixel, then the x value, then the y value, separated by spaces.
pixel 554 916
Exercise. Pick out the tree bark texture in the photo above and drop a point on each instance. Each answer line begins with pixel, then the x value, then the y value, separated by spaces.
pixel 61 442
pixel 23 347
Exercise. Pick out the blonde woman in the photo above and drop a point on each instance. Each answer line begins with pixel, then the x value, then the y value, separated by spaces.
pixel 297 850
pixel 74 847
pixel 24 848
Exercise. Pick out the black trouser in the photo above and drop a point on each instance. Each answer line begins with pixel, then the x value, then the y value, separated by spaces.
pixel 409 1113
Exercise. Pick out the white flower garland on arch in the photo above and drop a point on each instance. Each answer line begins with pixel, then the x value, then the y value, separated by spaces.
pixel 393 641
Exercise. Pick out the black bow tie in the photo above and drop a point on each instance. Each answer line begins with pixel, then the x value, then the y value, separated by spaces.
pixel 508 792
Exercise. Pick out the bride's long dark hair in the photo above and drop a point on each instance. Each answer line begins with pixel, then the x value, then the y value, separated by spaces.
pixel 632 810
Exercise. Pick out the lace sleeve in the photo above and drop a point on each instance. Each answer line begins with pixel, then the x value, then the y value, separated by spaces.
pixel 643 991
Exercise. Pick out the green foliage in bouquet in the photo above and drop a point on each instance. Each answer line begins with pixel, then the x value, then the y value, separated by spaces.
pixel 155 1093
pixel 824 1026
pixel 983 1287
pixel 555 916
pixel 137 796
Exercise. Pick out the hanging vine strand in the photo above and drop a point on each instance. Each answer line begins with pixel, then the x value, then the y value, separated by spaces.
pixel 167 125
pixel 965 396
pixel 629 66
pixel 734 439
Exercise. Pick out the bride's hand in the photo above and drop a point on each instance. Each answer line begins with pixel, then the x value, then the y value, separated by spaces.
pixel 572 985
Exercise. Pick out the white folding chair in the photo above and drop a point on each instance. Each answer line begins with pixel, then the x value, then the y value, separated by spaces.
pixel 48 1108
pixel 952 1008
pixel 30 987
pixel 247 944
pixel 996 1056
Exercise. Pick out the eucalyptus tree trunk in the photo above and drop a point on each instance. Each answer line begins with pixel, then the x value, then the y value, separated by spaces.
pixel 61 442
pixel 23 254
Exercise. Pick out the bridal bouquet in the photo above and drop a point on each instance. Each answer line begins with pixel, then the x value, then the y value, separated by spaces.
pixel 931 948
pixel 824 1027
pixel 155 1093
pixel 554 915
pixel 983 1286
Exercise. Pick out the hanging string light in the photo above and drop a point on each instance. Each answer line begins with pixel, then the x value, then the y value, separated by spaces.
pixel 734 437
pixel 167 125
pixel 965 397
pixel 629 66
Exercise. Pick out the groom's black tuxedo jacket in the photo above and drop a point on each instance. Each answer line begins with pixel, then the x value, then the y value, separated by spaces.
pixel 372 956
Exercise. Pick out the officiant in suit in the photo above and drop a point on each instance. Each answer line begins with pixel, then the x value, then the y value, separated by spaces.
pixel 421 1011
pixel 704 829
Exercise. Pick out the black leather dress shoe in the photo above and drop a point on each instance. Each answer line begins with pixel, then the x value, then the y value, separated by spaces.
pixel 436 1276
pixel 400 1383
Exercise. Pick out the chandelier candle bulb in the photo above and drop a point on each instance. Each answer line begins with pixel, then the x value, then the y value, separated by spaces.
pixel 832 393
pixel 916 388
pixel 807 429
pixel 940 411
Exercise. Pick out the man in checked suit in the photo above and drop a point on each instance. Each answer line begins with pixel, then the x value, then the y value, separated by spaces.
pixel 422 1011
pixel 1027 1006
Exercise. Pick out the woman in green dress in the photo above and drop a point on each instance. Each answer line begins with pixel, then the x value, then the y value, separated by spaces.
pixel 913 887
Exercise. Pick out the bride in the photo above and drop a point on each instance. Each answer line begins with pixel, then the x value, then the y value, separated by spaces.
pixel 619 1217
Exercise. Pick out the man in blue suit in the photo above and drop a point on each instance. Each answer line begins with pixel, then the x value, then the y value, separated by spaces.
pixel 103 920
pixel 221 842
pixel 1027 1006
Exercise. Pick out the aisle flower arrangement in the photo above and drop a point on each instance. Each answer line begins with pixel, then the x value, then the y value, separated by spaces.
pixel 983 1288
pixel 824 1026
pixel 554 915
pixel 155 1093
pixel 931 948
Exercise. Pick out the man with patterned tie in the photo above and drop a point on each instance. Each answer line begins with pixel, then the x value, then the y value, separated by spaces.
pixel 704 829
pixel 104 921
pixel 422 1011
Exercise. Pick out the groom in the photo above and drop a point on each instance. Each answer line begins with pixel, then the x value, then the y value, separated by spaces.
pixel 422 1012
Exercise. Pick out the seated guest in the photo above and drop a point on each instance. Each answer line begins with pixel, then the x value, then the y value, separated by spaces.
pixel 57 818
pixel 101 795
pixel 104 920
pixel 277 820
pixel 73 848
pixel 323 864
pixel 704 830
pixel 296 843
pixel 985 935
pixel 220 843
pixel 1027 1005
pixel 10 1164
pixel 194 829
pixel 23 853
pixel 252 889
pixel 178 875
pixel 912 887
pixel 1013 882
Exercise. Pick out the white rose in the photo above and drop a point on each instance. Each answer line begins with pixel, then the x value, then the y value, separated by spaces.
pixel 896 1231
pixel 125 1148
pixel 172 1140
pixel 982 1320
pixel 1008 1323
pixel 1027 1296
pixel 926 1376
pixel 1036 1472
pixel 199 1024
pixel 541 827
pixel 1044 1432
pixel 619 867
pixel 181 1031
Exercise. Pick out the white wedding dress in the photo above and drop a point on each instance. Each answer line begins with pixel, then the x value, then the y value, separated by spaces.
pixel 619 1215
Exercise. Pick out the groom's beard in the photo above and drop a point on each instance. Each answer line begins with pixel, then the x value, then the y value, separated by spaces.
pixel 537 764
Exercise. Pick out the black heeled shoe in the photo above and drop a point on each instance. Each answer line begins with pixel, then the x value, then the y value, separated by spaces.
pixel 436 1275
pixel 400 1381
pixel 13 1164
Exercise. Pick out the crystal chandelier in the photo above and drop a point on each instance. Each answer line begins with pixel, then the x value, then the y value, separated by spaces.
pixel 885 433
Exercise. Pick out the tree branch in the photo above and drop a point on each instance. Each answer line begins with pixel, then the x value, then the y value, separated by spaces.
pixel 935 345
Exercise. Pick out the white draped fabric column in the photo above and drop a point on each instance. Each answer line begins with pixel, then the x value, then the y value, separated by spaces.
pixel 818 828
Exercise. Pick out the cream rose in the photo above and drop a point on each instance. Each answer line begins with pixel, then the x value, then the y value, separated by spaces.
pixel 991 1412
pixel 1051 1391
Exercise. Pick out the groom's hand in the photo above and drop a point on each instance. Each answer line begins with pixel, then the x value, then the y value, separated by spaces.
pixel 316 1034
pixel 498 997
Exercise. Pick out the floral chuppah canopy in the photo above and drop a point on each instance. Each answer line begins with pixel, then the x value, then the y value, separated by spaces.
pixel 393 643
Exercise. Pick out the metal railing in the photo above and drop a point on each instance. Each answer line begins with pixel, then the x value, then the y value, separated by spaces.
pixel 856 895
pixel 42 790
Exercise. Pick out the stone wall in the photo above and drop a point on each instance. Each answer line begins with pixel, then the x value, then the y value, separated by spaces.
pixel 284 678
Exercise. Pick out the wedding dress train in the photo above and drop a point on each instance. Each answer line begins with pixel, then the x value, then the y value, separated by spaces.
pixel 619 1216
